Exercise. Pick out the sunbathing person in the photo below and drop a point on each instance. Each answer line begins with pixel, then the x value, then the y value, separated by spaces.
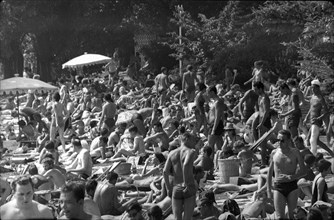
pixel 115 136
pixel 106 197
pixel 100 151
pixel 54 175
pixel 138 146
pixel 159 139
pixel 82 164
pixel 49 148
pixel 247 158
pixel 22 206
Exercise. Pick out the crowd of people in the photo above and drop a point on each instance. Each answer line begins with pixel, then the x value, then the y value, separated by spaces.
pixel 174 135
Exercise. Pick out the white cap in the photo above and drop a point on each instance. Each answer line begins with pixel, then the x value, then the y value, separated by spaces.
pixel 315 82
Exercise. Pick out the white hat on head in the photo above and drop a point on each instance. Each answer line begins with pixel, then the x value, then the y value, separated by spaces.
pixel 315 82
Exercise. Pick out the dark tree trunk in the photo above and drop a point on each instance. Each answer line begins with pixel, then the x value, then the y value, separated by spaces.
pixel 44 55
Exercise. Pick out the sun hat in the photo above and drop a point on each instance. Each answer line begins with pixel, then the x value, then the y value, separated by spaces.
pixel 315 82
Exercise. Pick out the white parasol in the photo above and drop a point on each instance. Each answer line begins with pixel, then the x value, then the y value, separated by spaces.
pixel 86 60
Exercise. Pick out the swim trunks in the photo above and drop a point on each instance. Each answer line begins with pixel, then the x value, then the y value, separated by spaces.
pixel 184 192
pixel 286 188
pixel 110 122
pixel 219 129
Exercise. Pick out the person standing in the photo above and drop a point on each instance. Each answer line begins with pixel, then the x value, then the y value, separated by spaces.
pixel 22 206
pixel 262 122
pixel 161 84
pixel 250 99
pixel 288 167
pixel 293 113
pixel 216 119
pixel 317 112
pixel 108 114
pixel 188 83
pixel 59 114
pixel 183 190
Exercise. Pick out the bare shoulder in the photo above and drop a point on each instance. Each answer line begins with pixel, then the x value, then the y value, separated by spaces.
pixel 44 210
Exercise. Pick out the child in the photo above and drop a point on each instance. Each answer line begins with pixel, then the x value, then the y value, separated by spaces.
pixel 246 156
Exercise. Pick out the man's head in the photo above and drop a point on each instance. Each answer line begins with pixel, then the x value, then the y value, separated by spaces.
pixel 198 173
pixel 284 89
pixel 155 213
pixel 108 98
pixel 164 70
pixel 201 86
pixel 315 86
pixel 121 128
pixel 104 132
pixel 190 68
pixel 212 91
pixel 299 142
pixel 76 143
pixel 324 166
pixel 103 141
pixel 71 199
pixel 56 96
pixel 112 177
pixel 284 138
pixel 258 88
pixel 23 190
pixel 207 150
pixel 291 82
pixel 134 211
pixel 157 127
pixel 188 140
pixel 49 146
pixel 47 163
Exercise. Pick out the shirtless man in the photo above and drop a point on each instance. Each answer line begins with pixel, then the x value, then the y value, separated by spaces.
pixel 22 205
pixel 284 164
pixel 161 84
pixel 294 113
pixel 71 200
pixel 53 174
pixel 262 122
pixel 82 164
pixel 216 119
pixel 188 83
pixel 108 114
pixel 183 190
pixel 115 136
pixel 58 120
pixel 159 139
pixel 250 99
pixel 318 106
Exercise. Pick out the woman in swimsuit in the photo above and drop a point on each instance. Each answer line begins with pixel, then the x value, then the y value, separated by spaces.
pixel 319 187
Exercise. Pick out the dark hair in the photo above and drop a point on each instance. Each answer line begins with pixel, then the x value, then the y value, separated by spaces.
pixel 309 159
pixel 91 185
pixel 21 123
pixel 323 165
pixel 291 82
pixel 156 212
pixel 112 176
pixel 207 150
pixel 259 85
pixel 163 69
pixel 56 96
pixel 286 133
pixel 104 131
pixel 230 205
pixel 284 86
pixel 189 67
pixel 108 97
pixel 158 124
pixel 314 214
pixel 135 206
pixel 104 140
pixel 76 142
pixel 160 157
pixel 133 129
pixel 182 129
pixel 197 169
pixel 76 187
pixel 48 161
pixel 93 124
pixel 22 181
pixel 201 86
pixel 213 89
pixel 176 123
pixel 32 170
pixel 49 145
pixel 298 139
pixel 239 144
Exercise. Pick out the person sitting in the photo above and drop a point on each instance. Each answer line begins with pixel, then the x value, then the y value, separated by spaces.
pixel 82 164
pixel 101 150
pixel 90 207
pixel 134 212
pixel 205 160
pixel 54 175
pixel 159 139
pixel 49 148
pixel 247 158
pixel 26 131
pixel 96 141
pixel 138 146
pixel 106 197
pixel 71 200
pixel 206 206
pixel 22 205
pixel 42 139
pixel 319 187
